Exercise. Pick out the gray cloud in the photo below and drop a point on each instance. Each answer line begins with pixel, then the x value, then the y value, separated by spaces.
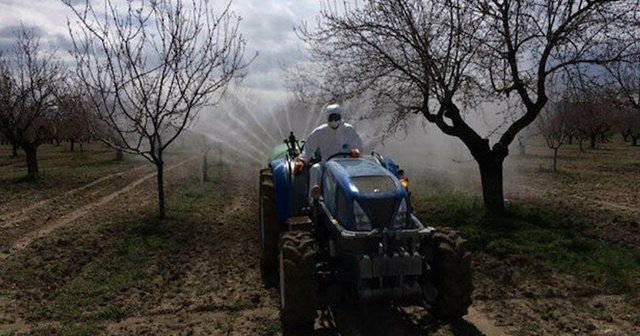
pixel 267 26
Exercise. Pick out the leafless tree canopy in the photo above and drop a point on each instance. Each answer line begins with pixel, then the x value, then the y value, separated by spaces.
pixel 29 81
pixel 443 58
pixel 621 84
pixel 148 67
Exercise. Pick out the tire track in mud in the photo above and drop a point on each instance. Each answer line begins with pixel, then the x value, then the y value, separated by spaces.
pixel 13 218
pixel 26 239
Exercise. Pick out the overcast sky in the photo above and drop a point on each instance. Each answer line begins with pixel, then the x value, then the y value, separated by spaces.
pixel 267 26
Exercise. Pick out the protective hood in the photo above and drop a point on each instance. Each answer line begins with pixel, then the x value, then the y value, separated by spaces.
pixel 334 109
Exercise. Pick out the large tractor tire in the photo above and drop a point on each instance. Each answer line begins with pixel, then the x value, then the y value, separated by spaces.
pixel 450 277
pixel 298 283
pixel 269 230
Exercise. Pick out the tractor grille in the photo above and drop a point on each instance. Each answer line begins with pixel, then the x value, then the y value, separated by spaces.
pixel 382 210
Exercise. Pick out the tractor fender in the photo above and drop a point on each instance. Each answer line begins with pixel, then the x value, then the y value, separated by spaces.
pixel 281 181
pixel 386 162
pixel 390 165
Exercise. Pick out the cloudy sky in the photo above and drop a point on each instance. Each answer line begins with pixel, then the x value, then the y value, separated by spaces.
pixel 267 26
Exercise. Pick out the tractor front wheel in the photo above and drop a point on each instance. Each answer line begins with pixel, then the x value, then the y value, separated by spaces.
pixel 449 278
pixel 298 284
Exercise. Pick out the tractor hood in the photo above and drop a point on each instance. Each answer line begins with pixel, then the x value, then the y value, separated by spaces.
pixel 362 188
pixel 357 167
pixel 365 178
pixel 363 175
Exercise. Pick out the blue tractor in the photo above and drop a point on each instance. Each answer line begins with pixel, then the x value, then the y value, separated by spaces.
pixel 362 232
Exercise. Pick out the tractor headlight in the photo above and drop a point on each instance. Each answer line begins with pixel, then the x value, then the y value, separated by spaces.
pixel 400 219
pixel 363 222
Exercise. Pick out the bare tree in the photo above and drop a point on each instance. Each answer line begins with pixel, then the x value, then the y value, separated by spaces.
pixel 29 79
pixel 552 125
pixel 444 59
pixel 74 122
pixel 629 125
pixel 623 88
pixel 593 119
pixel 150 66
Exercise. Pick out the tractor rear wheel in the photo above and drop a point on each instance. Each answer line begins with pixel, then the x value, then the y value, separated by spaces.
pixel 269 230
pixel 450 276
pixel 298 283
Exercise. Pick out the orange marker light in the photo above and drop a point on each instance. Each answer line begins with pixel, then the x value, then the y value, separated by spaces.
pixel 404 182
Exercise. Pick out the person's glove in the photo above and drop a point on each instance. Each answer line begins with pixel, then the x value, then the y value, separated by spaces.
pixel 354 153
pixel 298 167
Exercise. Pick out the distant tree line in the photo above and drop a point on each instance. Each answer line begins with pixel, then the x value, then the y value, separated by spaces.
pixel 595 109
pixel 32 94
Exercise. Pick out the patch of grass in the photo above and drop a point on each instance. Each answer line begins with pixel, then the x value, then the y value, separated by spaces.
pixel 544 235
pixel 442 207
pixel 559 171
pixel 271 329
pixel 75 329
pixel 530 329
pixel 195 193
pixel 93 296
pixel 81 329
pixel 149 250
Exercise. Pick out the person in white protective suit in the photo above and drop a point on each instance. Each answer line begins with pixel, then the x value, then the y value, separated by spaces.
pixel 334 137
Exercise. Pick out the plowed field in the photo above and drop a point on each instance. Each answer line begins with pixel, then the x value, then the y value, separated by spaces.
pixel 81 253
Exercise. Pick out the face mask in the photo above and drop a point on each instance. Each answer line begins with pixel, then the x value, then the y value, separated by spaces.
pixel 334 124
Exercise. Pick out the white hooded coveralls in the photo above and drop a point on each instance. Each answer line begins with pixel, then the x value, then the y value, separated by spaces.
pixel 330 142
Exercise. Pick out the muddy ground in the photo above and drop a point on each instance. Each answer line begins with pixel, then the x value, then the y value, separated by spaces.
pixel 203 278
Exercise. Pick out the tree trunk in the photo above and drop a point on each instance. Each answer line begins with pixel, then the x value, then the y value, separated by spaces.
pixel 523 151
pixel 14 149
pixel 73 143
pixel 555 159
pixel 205 175
pixel 31 151
pixel 492 184
pixel 160 176
pixel 592 141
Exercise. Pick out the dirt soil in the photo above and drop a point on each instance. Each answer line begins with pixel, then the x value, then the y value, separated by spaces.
pixel 214 286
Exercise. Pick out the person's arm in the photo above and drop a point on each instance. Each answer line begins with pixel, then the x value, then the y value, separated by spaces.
pixel 356 141
pixel 309 149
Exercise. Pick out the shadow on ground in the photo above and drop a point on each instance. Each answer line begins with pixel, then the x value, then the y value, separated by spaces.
pixel 380 319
